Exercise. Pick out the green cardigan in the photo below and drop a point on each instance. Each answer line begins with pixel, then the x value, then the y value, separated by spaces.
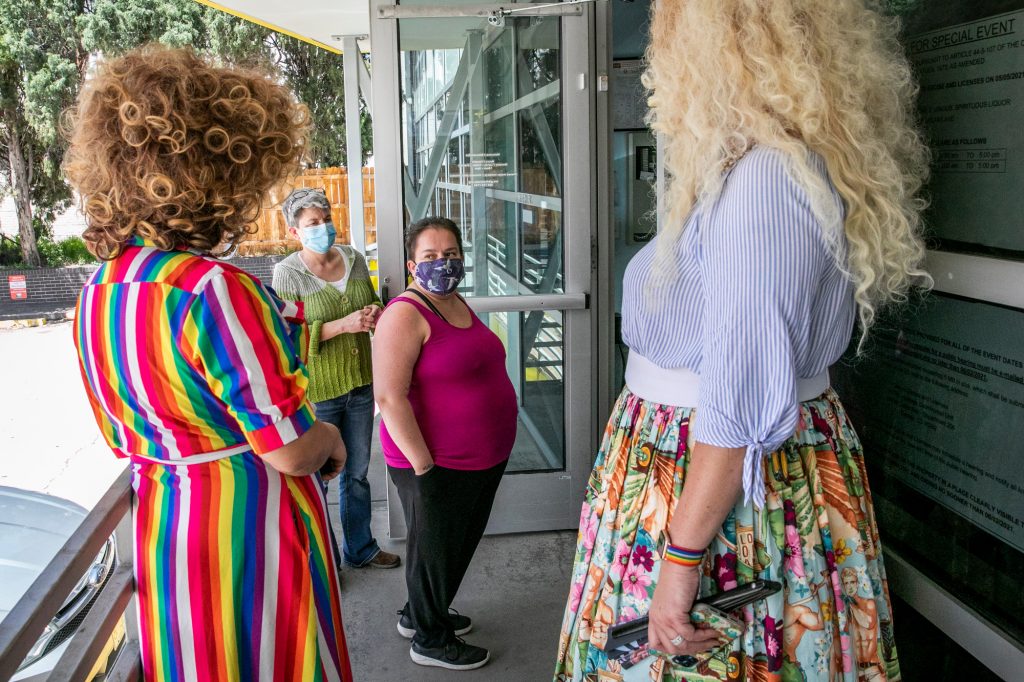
pixel 341 363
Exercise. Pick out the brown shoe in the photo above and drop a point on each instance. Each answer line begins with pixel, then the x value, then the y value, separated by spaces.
pixel 385 560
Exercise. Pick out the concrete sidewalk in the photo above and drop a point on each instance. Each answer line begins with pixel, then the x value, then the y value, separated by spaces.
pixel 16 317
pixel 515 592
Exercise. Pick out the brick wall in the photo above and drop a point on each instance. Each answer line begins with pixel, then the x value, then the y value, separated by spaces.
pixel 48 288
pixel 260 266
pixel 51 289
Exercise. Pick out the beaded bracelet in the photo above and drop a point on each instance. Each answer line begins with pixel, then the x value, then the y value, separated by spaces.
pixel 682 556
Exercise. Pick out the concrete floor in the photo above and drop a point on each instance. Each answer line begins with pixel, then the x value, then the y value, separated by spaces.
pixel 515 592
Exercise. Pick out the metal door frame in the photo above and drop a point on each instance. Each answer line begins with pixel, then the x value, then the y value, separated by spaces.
pixel 527 501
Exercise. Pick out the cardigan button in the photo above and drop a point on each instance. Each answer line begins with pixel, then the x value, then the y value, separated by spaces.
pixel 355 351
pixel 344 299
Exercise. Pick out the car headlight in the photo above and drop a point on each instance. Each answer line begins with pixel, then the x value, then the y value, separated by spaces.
pixel 75 608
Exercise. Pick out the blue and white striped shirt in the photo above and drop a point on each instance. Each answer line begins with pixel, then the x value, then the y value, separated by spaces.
pixel 759 301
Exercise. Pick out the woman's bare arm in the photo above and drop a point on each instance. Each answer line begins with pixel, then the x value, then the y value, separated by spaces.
pixel 397 342
pixel 714 480
pixel 308 453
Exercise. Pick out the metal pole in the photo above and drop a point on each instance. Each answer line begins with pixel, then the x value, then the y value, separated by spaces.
pixel 353 143
pixel 387 153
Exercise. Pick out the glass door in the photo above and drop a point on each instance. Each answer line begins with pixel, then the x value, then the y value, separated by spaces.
pixel 492 111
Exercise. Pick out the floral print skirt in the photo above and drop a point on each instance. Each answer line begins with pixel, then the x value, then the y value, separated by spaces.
pixel 816 535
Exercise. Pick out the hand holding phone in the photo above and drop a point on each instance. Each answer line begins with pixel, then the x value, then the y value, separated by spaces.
pixel 727 627
pixel 627 642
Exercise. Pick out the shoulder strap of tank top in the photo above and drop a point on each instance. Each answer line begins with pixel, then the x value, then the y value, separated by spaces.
pixel 428 303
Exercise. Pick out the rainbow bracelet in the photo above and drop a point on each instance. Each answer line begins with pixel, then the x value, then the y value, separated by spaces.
pixel 682 556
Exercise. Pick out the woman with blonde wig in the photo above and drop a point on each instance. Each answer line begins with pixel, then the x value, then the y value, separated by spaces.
pixel 195 371
pixel 792 213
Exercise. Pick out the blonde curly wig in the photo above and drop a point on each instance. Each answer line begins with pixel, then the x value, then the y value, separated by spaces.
pixel 166 146
pixel 825 75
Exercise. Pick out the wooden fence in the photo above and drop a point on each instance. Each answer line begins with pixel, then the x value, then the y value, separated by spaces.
pixel 271 235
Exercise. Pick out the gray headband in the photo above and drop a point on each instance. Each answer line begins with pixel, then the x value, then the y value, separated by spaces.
pixel 303 197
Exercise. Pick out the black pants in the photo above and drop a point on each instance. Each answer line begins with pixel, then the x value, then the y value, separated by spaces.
pixel 446 511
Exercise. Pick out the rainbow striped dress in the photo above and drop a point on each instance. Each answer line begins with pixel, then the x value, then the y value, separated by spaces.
pixel 193 369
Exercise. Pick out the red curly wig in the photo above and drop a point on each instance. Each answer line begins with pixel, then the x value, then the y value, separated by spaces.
pixel 167 146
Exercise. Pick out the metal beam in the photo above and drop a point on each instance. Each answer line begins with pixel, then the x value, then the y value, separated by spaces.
pixel 548 145
pixel 603 316
pixel 475 145
pixel 366 85
pixel 353 143
pixel 985 279
pixel 553 161
pixel 273 27
pixel 533 321
pixel 542 94
pixel 570 8
pixel 528 303
pixel 128 666
pixel 387 149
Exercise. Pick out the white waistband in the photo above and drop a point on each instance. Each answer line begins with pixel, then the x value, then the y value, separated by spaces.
pixel 198 458
pixel 681 387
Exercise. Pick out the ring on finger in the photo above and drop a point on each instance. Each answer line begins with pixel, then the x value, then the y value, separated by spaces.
pixel 677 640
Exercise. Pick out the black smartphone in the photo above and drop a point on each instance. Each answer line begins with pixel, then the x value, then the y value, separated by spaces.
pixel 636 630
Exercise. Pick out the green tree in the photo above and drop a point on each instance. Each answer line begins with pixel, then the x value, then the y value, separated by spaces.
pixel 41 66
pixel 317 77
pixel 45 47
pixel 116 26
pixel 315 74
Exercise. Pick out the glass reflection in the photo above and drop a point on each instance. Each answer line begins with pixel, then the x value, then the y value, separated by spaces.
pixel 482 142
pixel 535 365
pixel 482 145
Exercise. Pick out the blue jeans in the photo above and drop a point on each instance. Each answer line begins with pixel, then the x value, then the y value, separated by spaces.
pixel 352 413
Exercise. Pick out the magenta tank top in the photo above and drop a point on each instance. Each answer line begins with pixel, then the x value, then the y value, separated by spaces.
pixel 461 395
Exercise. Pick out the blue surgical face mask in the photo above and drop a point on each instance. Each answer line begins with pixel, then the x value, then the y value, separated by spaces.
pixel 319 238
pixel 441 276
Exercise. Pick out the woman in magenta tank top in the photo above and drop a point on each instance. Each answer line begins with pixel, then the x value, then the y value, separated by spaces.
pixel 449 415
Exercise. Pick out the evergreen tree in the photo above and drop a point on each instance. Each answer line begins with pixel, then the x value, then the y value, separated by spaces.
pixel 314 74
pixel 45 47
pixel 41 67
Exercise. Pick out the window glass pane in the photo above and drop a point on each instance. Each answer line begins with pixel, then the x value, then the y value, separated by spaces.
pixel 453 162
pixel 502 150
pixel 541 249
pixel 495 169
pixel 501 248
pixel 538 56
pixel 540 142
pixel 497 63
pixel 937 402
pixel 534 345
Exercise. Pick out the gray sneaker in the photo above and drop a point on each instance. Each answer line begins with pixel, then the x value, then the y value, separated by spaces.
pixel 456 655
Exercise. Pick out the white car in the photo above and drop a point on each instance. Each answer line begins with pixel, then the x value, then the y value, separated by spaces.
pixel 33 528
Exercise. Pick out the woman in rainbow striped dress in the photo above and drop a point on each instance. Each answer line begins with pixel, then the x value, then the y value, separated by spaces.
pixel 195 373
